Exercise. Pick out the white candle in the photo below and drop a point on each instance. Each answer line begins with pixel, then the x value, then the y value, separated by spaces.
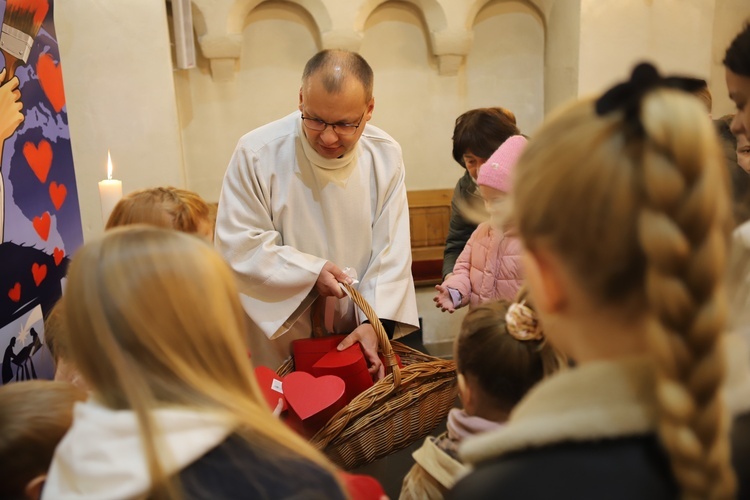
pixel 110 191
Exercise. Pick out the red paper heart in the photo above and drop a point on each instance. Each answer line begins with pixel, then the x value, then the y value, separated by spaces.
pixel 57 193
pixel 267 379
pixel 308 396
pixel 39 158
pixel 41 224
pixel 39 272
pixel 361 487
pixel 58 255
pixel 15 293
pixel 50 78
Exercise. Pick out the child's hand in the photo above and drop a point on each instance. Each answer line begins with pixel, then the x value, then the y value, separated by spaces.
pixel 443 300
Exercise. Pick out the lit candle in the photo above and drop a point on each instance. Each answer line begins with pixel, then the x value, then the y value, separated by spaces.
pixel 110 191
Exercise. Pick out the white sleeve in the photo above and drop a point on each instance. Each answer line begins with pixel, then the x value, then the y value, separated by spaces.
pixel 388 284
pixel 277 281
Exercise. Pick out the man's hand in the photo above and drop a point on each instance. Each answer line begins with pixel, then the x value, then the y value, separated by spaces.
pixel 329 279
pixel 443 299
pixel 365 335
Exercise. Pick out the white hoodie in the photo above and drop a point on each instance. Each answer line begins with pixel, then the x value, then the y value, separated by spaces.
pixel 102 456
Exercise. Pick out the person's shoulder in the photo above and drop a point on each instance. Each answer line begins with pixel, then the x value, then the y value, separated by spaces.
pixel 235 469
pixel 270 133
pixel 377 137
pixel 620 468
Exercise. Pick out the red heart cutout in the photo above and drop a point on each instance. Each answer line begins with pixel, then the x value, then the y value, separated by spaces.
pixel 39 272
pixel 58 255
pixel 309 396
pixel 50 78
pixel 41 224
pixel 271 387
pixel 15 293
pixel 39 158
pixel 57 193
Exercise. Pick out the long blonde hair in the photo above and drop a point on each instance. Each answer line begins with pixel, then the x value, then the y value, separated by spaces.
pixel 640 217
pixel 155 319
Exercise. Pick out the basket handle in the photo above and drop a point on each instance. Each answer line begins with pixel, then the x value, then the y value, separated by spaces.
pixel 385 344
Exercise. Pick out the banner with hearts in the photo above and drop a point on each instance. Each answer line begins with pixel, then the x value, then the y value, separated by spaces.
pixel 40 217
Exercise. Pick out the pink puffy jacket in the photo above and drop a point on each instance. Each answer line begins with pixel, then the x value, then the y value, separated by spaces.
pixel 489 268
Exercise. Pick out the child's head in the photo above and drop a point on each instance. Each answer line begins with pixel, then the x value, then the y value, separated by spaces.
pixel 155 319
pixel 496 174
pixel 623 209
pixel 167 207
pixel 56 339
pixel 500 354
pixel 743 152
pixel 478 133
pixel 34 417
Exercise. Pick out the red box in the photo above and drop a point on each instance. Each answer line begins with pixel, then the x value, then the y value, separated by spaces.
pixel 350 365
pixel 308 351
pixel 312 401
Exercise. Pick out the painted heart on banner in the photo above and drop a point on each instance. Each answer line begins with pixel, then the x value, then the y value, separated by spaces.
pixel 58 255
pixel 57 193
pixel 39 158
pixel 50 78
pixel 39 272
pixel 41 225
pixel 15 293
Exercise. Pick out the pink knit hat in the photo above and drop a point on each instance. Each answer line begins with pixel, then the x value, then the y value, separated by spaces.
pixel 496 171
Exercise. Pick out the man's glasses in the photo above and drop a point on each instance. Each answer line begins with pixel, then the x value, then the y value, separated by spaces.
pixel 338 128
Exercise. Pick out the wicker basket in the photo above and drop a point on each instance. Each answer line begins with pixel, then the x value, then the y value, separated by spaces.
pixel 396 411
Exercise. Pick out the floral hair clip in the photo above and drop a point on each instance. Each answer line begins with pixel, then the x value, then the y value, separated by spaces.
pixel 522 322
pixel 644 78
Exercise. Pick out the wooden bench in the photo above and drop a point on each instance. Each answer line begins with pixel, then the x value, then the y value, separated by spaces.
pixel 429 219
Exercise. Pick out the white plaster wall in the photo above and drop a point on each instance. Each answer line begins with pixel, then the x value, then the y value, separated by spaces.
pixel 676 35
pixel 120 95
pixel 728 21
pixel 277 41
pixel 506 64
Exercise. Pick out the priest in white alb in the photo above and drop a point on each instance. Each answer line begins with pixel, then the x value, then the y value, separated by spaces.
pixel 308 195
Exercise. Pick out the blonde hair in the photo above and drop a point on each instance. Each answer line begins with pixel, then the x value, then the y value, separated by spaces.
pixel 34 417
pixel 156 321
pixel 167 207
pixel 640 217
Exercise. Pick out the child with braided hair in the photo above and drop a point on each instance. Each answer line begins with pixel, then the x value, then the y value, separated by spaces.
pixel 622 207
pixel 500 354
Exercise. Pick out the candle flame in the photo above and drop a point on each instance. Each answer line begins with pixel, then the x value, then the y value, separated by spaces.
pixel 109 166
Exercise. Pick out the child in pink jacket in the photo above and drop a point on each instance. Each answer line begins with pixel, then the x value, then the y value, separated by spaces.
pixel 489 268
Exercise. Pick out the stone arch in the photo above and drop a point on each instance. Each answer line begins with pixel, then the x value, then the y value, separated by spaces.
pixel 431 10
pixel 241 8
pixel 478 5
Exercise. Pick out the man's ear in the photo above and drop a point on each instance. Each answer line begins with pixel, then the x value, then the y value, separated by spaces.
pixel 545 279
pixel 33 490
pixel 370 108
pixel 300 99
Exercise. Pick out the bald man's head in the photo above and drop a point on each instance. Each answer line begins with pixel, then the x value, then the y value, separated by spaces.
pixel 333 67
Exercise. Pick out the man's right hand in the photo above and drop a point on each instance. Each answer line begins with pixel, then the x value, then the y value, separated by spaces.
pixel 329 279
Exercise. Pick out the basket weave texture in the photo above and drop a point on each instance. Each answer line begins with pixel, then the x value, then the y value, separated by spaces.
pixel 396 411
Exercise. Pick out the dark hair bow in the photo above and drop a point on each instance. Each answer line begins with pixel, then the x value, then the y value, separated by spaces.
pixel 645 78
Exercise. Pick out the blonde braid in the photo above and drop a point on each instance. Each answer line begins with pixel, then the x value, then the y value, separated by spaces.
pixel 681 231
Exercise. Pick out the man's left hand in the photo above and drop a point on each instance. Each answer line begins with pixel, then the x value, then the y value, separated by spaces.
pixel 365 335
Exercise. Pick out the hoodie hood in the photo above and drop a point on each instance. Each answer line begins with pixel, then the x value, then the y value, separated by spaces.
pixel 102 456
